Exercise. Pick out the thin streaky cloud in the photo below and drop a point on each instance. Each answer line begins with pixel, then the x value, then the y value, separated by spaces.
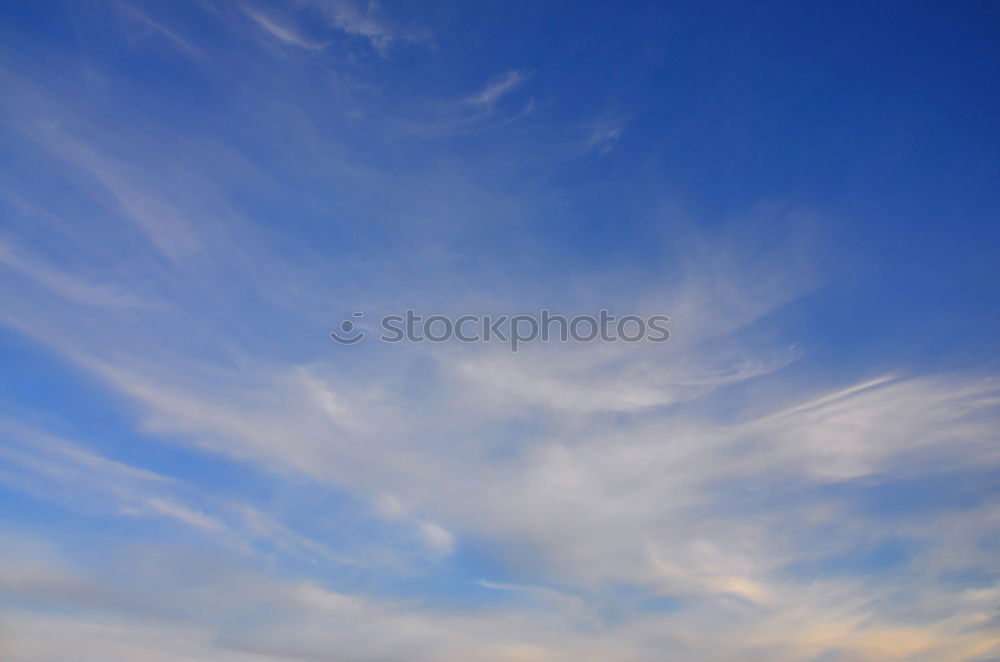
pixel 282 32
pixel 184 514
pixel 70 287
pixel 498 87
pixel 141 18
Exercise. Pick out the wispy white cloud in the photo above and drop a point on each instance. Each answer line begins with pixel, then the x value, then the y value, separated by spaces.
pixel 157 217
pixel 77 477
pixel 184 514
pixel 158 28
pixel 70 287
pixel 437 537
pixel 282 32
pixel 602 136
pixel 498 87
pixel 360 21
pixel 477 112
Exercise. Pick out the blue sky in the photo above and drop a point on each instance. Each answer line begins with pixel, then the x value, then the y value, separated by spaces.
pixel 194 194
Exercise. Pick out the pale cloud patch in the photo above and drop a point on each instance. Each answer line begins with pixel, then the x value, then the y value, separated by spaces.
pixel 436 537
pixel 602 136
pixel 360 20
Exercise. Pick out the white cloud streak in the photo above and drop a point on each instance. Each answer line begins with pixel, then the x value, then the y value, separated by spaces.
pixel 501 85
pixel 281 32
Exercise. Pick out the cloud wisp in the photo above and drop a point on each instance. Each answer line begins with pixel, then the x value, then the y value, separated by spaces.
pixel 281 32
